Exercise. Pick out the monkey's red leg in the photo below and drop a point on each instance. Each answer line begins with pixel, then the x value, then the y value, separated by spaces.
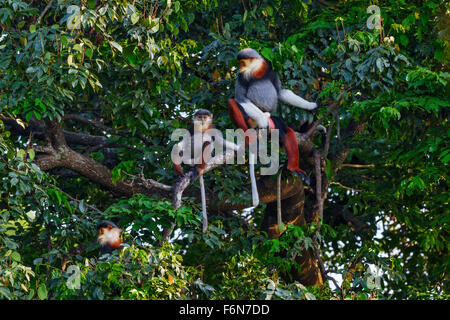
pixel 291 145
pixel 178 169
pixel 236 115
pixel 238 119
pixel 206 155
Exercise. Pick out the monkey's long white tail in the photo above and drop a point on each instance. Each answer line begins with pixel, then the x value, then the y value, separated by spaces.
pixel 204 214
pixel 255 196
pixel 287 96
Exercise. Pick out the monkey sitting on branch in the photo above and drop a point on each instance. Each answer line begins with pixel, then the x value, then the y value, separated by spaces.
pixel 257 92
pixel 108 237
pixel 202 140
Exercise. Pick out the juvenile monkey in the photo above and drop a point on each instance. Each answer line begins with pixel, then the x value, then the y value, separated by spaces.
pixel 207 137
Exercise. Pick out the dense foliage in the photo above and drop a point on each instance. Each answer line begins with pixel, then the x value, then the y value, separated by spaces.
pixel 108 81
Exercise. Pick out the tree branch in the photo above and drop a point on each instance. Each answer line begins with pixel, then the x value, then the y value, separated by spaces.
pixel 47 7
pixel 101 126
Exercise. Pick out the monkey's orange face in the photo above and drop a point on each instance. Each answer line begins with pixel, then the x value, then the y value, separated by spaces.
pixel 109 235
pixel 244 64
pixel 252 67
pixel 202 122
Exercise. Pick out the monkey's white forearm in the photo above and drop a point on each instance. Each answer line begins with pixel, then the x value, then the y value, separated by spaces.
pixel 262 118
pixel 230 145
pixel 287 96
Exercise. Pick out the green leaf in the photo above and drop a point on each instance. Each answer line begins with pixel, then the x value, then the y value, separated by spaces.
pixel 78 47
pixel 32 28
pixel 91 4
pixel 309 296
pixel 5 292
pixel 245 16
pixel 64 41
pixel 135 18
pixel 31 154
pixel 82 206
pixel 42 292
pixel 89 53
pixel 177 6
pixel 30 296
pixel 21 152
pixel 116 45
pixel 446 158
pixel 16 256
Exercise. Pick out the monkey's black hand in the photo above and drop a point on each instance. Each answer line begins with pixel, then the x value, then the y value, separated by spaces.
pixel 196 173
pixel 318 103
pixel 304 177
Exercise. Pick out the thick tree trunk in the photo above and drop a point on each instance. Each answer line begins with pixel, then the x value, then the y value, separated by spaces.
pixel 292 208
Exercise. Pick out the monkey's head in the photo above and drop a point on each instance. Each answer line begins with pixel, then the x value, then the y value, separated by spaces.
pixel 251 64
pixel 108 236
pixel 202 120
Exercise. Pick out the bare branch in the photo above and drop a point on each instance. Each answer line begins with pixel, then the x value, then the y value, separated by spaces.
pixel 318 174
pixel 322 266
pixel 49 4
pixel 333 107
pixel 348 188
pixel 359 166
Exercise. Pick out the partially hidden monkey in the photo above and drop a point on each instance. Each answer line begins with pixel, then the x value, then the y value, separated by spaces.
pixel 201 128
pixel 108 237
pixel 257 92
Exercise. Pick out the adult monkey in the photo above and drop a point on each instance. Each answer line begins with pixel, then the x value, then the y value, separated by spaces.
pixel 257 92
pixel 108 236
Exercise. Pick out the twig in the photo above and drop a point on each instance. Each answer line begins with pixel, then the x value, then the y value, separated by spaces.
pixel 326 4
pixel 150 183
pixel 49 4
pixel 322 267
pixel 333 106
pixel 348 188
pixel 327 141
pixel 189 177
pixel 360 166
pixel 167 232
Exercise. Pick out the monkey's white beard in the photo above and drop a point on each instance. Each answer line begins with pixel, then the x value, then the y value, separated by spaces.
pixel 109 236
pixel 253 67
pixel 201 126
